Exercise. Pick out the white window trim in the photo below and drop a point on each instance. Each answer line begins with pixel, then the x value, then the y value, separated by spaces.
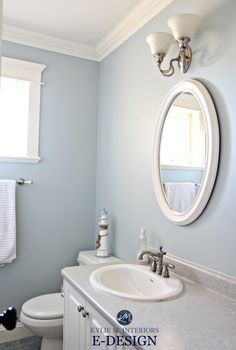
pixel 25 70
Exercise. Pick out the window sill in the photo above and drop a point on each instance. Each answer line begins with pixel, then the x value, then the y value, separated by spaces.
pixel 27 160
pixel 182 167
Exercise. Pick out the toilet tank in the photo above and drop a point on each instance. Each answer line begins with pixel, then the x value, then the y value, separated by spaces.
pixel 88 257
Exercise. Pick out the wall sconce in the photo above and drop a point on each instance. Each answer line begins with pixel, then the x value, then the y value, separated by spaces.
pixel 182 27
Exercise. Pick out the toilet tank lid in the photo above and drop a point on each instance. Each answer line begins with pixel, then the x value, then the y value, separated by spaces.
pixel 44 307
pixel 88 257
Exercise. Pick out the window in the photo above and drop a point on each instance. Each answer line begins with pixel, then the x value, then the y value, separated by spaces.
pixel 20 110
pixel 183 138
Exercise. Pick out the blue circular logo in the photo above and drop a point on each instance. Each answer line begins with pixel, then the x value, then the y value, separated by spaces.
pixel 124 317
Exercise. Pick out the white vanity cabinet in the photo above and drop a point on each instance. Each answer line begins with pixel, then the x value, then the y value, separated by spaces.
pixel 74 336
pixel 79 319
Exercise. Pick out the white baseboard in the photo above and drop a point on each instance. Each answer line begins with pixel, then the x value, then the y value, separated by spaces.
pixel 19 332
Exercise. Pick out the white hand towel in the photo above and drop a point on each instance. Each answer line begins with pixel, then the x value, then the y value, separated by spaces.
pixel 7 221
pixel 180 195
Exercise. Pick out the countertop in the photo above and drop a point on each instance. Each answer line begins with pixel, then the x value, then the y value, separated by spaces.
pixel 198 319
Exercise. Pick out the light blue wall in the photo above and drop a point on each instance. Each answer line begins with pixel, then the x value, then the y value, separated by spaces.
pixel 55 214
pixel 130 94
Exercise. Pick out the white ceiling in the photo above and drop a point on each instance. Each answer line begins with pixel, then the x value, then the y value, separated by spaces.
pixel 83 21
pixel 89 29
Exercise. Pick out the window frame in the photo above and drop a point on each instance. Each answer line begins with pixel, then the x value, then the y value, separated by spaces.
pixel 32 72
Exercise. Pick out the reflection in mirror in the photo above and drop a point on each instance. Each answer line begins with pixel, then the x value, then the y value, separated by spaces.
pixel 183 152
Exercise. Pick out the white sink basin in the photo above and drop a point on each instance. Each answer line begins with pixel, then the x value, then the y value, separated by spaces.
pixel 134 282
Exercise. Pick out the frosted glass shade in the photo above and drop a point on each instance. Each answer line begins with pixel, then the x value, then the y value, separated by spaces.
pixel 160 42
pixel 183 25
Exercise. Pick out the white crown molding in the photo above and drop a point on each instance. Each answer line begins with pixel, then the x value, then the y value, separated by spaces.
pixel 142 13
pixel 48 42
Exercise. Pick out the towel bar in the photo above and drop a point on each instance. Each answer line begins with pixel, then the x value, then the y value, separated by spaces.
pixel 22 181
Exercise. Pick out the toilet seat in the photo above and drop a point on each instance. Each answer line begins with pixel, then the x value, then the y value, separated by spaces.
pixel 34 322
pixel 44 307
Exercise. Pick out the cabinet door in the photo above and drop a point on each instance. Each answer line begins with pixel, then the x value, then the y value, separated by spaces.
pixel 74 323
pixel 99 332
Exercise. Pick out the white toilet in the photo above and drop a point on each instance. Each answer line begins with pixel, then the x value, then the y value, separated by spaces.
pixel 43 315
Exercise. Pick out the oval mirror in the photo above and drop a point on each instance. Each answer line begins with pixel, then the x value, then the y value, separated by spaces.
pixel 185 152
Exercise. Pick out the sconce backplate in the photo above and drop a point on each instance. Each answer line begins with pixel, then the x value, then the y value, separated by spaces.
pixel 184 59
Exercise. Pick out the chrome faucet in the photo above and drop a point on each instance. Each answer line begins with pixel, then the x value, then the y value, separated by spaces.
pixel 152 257
pixel 147 252
pixel 156 262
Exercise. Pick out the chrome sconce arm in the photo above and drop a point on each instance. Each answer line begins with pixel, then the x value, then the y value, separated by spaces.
pixel 166 72
pixel 184 58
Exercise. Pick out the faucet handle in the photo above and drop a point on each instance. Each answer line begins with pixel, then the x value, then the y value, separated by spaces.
pixel 166 268
pixel 161 253
pixel 153 266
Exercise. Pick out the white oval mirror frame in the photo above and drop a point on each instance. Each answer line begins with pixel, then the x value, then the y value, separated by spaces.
pixel 199 91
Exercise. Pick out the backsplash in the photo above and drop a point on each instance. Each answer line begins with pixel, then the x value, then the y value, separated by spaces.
pixel 210 279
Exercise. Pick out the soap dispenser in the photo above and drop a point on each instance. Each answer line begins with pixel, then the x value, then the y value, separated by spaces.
pixel 142 240
pixel 102 237
pixel 143 245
